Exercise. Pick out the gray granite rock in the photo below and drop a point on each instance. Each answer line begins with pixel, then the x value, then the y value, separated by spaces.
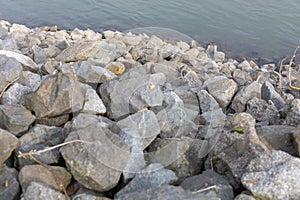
pixel 9 188
pixel 244 197
pixel 15 118
pixel 92 102
pixel 273 175
pixel 244 95
pixel 296 140
pixel 293 115
pixel 30 80
pixel 222 89
pixel 38 138
pixel 98 161
pixel 15 94
pixel 207 179
pixel 38 191
pixel 8 143
pixel 241 77
pixel 153 175
pixel 268 93
pixel 207 102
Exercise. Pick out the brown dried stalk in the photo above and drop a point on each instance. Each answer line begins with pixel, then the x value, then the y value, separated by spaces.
pixel 7 85
pixel 290 68
pixel 213 187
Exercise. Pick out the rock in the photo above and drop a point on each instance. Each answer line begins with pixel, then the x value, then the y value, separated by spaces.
pixel 153 175
pixel 222 89
pixel 207 179
pixel 92 102
pixel 15 118
pixel 79 51
pixel 30 80
pixel 167 69
pixel 293 115
pixel 244 197
pixel 15 94
pixel 98 161
pixel 40 137
pixel 214 54
pixel 10 70
pixel 8 143
pixel 244 95
pixel 278 137
pixel 296 140
pixel 57 95
pixel 116 67
pixel 245 66
pixel 237 146
pixel 3 32
pixel 192 78
pixel 273 175
pixel 207 102
pixel 268 93
pixel 241 77
pixel 9 188
pixel 255 106
pixel 53 121
pixel 51 176
pixel 88 73
pixel 85 194
pixel 37 191
pixel 28 63
pixel 127 95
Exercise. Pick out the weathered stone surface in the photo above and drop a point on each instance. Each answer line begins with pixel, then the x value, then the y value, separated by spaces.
pixel 28 63
pixel 10 70
pixel 296 140
pixel 38 138
pixel 37 191
pixel 244 197
pixel 244 95
pixel 237 146
pixel 98 161
pixel 51 176
pixel 207 102
pixel 278 137
pixel 153 175
pixel 241 77
pixel 85 194
pixel 268 93
pixel 30 80
pixel 116 67
pixel 57 95
pixel 293 115
pixel 206 179
pixel 92 102
pixel 129 94
pixel 222 89
pixel 15 118
pixel 53 121
pixel 273 175
pixel 8 143
pixel 15 94
pixel 9 185
pixel 168 69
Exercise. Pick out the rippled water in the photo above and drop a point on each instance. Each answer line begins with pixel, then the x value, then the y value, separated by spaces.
pixel 268 28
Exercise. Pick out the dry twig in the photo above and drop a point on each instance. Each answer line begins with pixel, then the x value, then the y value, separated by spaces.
pixel 213 187
pixel 7 85
pixel 290 68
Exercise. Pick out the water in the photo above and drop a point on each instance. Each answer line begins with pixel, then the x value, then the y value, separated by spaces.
pixel 268 29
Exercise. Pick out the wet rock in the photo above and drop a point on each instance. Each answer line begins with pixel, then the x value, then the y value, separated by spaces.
pixel 268 93
pixel 8 143
pixel 10 70
pixel 92 102
pixel 222 89
pixel 98 161
pixel 278 137
pixel 129 94
pixel 51 176
pixel 57 95
pixel 89 73
pixel 38 138
pixel 15 94
pixel 293 115
pixel 273 175
pixel 255 106
pixel 244 95
pixel 9 185
pixel 153 175
pixel 37 191
pixel 28 63
pixel 207 179
pixel 15 118
pixel 237 146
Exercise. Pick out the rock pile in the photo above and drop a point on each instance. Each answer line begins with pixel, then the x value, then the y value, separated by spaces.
pixel 113 115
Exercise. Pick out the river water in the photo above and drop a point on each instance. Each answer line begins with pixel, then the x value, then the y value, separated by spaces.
pixel 268 29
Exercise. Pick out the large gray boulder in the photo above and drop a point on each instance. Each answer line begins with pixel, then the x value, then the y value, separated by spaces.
pixel 269 93
pixel 37 191
pixel 10 188
pixel 8 143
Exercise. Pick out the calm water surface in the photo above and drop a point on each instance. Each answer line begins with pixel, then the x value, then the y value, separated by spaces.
pixel 268 28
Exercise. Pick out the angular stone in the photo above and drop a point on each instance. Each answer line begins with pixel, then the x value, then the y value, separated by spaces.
pixel 9 185
pixel 116 67
pixel 269 93
pixel 244 197
pixel 40 137
pixel 168 69
pixel 51 176
pixel 207 102
pixel 37 191
pixel 273 175
pixel 15 94
pixel 98 161
pixel 127 95
pixel 153 175
pixel 8 143
pixel 296 139
pixel 222 89
pixel 53 121
pixel 241 77
pixel 57 95
pixel 244 95
pixel 293 115
pixel 10 70
pixel 85 194
pixel 92 102
pixel 28 63
pixel 206 179
pixel 15 118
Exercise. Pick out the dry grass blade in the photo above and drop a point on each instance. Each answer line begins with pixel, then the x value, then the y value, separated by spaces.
pixel 7 85
pixel 213 187
pixel 293 58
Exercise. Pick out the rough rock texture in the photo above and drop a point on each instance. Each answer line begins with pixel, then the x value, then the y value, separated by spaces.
pixel 9 185
pixel 273 175
pixel 37 191
pixel 92 102
pixel 293 115
pixel 269 93
pixel 15 94
pixel 8 143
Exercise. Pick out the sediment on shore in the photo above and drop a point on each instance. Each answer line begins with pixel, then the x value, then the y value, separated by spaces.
pixel 114 115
